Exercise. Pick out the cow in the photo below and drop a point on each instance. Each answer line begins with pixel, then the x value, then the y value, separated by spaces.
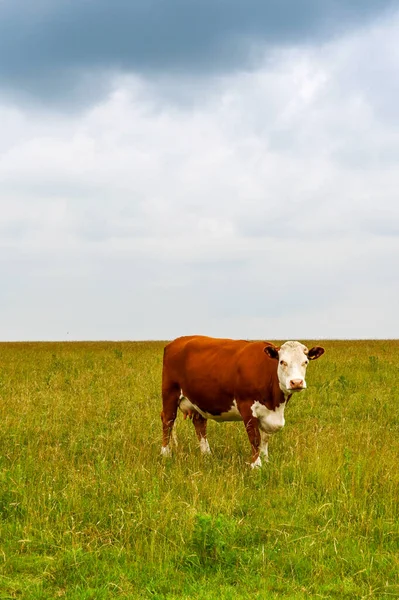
pixel 232 380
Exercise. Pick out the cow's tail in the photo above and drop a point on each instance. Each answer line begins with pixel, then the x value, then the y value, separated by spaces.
pixel 170 395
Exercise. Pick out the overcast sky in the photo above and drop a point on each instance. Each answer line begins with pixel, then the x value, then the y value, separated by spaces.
pixel 223 167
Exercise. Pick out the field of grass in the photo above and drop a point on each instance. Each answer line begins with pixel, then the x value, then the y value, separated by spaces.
pixel 89 509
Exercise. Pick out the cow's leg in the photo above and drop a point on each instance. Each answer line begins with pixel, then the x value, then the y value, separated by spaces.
pixel 252 427
pixel 264 445
pixel 200 424
pixel 170 403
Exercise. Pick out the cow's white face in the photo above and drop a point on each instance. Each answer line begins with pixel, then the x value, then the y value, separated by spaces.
pixel 293 359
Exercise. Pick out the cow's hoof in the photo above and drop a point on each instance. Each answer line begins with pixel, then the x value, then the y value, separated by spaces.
pixel 256 464
pixel 165 451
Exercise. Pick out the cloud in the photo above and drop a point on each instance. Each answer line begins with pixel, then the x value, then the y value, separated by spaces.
pixel 62 51
pixel 267 209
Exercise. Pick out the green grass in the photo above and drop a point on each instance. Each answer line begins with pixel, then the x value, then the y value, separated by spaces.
pixel 88 508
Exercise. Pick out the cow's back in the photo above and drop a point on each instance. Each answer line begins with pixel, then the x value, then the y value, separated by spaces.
pixel 202 367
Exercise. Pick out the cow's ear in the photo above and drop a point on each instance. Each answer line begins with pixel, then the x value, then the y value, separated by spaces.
pixel 271 351
pixel 315 352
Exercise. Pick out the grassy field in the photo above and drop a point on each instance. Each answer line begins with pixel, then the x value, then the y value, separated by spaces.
pixel 89 509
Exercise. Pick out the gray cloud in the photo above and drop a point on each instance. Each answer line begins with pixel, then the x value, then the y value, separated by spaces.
pixel 268 210
pixel 48 48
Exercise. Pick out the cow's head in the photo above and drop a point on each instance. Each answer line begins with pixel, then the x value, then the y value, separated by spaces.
pixel 293 358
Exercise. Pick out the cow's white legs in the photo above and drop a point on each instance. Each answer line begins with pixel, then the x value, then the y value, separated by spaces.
pixel 256 464
pixel 204 446
pixel 166 451
pixel 263 450
pixel 264 445
pixel 200 424
pixel 252 426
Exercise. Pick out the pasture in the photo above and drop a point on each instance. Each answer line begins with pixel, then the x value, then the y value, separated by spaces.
pixel 89 509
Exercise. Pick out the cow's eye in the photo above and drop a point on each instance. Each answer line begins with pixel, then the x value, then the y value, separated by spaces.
pixel 305 364
pixel 283 363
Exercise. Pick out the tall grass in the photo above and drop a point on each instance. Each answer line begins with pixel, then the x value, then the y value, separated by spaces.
pixel 88 508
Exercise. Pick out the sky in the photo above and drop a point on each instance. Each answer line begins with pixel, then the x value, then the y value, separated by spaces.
pixel 218 167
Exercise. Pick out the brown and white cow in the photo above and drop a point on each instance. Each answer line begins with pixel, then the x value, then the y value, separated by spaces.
pixel 232 380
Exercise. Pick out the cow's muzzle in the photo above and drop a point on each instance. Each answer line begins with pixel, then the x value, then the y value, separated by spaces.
pixel 297 384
